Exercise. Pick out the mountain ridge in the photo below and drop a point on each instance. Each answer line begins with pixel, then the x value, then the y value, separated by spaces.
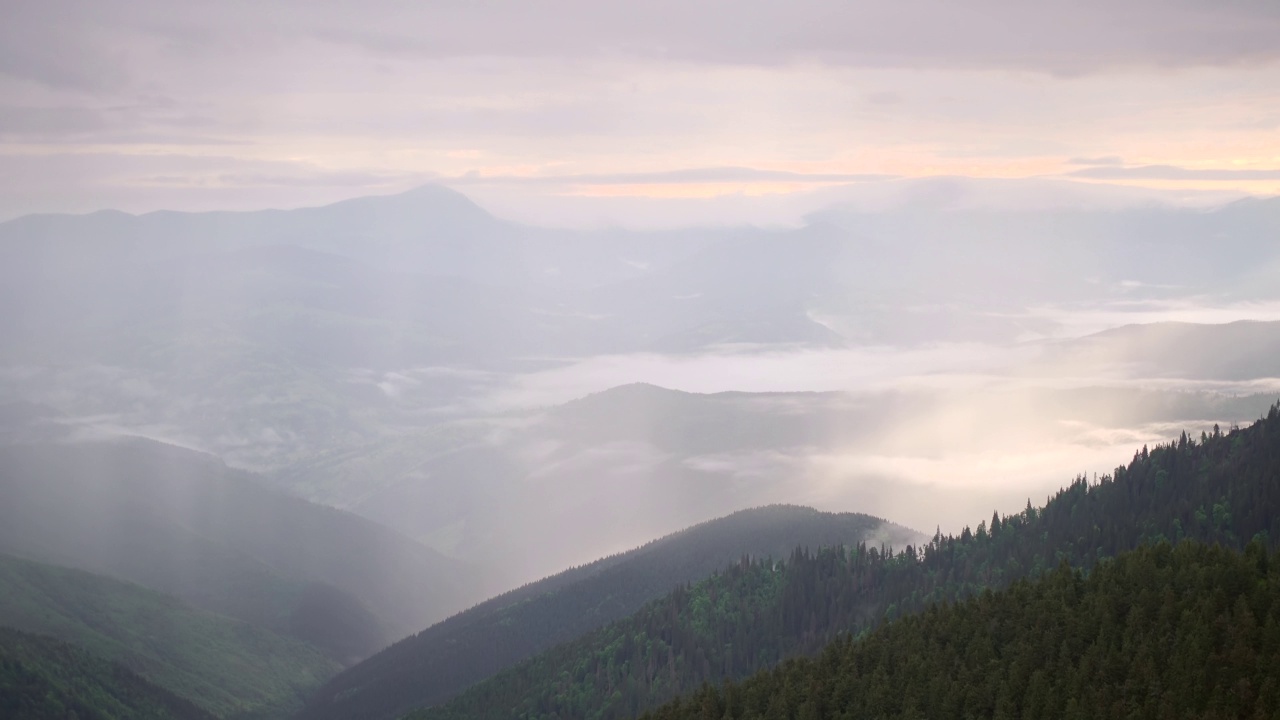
pixel 1159 630
pixel 436 663
pixel 1218 489
pixel 42 678
pixel 223 665
pixel 184 523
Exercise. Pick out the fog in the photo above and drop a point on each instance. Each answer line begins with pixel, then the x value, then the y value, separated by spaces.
pixel 590 273
pixel 928 352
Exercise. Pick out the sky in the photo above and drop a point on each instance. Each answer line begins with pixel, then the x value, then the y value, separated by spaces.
pixel 596 109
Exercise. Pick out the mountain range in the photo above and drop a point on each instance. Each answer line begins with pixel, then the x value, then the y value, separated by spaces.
pixel 367 352
pixel 265 463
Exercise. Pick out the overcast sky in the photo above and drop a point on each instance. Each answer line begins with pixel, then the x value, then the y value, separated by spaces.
pixel 153 103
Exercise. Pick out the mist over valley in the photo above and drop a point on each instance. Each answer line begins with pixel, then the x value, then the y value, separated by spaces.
pixel 823 360
pixel 467 381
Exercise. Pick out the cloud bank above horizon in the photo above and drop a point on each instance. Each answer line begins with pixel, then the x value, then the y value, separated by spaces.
pixel 597 106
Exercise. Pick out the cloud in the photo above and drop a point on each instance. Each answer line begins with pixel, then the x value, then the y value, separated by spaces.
pixel 530 98
pixel 311 178
pixel 18 120
pixel 1172 172
pixel 884 97
pixel 40 45
pixel 1057 36
pixel 142 182
pixel 673 177
pixel 88 46
pixel 1107 160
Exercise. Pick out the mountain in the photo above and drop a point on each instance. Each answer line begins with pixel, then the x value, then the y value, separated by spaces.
pixel 45 679
pixel 920 275
pixel 1237 351
pixel 615 468
pixel 429 231
pixel 1219 489
pixel 398 356
pixel 306 310
pixel 608 471
pixel 1191 631
pixel 183 523
pixel 444 659
pixel 224 666
pixel 360 321
pixel 430 223
pixel 1151 247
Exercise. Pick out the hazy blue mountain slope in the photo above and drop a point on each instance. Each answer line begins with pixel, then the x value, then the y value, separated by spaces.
pixel 429 230
pixel 225 666
pixel 1160 247
pixel 154 321
pixel 1244 350
pixel 420 221
pixel 183 523
pixel 369 319
pixel 829 282
pixel 444 659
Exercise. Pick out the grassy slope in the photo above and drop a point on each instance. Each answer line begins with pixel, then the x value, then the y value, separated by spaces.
pixel 46 679
pixel 182 523
pixel 224 666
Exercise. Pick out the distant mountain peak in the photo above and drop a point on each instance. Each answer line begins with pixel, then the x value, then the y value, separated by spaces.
pixel 429 198
pixel 628 393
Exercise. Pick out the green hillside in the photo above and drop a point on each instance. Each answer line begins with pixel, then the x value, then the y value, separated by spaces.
pixel 224 666
pixel 1220 489
pixel 184 524
pixel 1160 632
pixel 46 679
pixel 445 659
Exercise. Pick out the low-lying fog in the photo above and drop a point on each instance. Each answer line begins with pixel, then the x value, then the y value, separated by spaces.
pixel 935 436
pixel 474 383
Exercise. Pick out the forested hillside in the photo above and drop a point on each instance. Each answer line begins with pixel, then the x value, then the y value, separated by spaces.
pixel 224 666
pixel 183 523
pixel 441 661
pixel 1159 632
pixel 1221 488
pixel 45 679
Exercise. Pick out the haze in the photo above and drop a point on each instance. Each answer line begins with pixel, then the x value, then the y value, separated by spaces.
pixel 596 272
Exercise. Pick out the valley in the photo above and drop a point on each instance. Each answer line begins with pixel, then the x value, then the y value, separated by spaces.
pixel 573 360
pixel 397 457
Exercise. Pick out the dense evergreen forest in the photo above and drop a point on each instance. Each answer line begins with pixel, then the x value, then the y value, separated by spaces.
pixel 45 679
pixel 1217 489
pixel 1159 632
pixel 445 659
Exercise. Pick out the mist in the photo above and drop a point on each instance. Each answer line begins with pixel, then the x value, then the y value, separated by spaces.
pixel 469 381
pixel 363 361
